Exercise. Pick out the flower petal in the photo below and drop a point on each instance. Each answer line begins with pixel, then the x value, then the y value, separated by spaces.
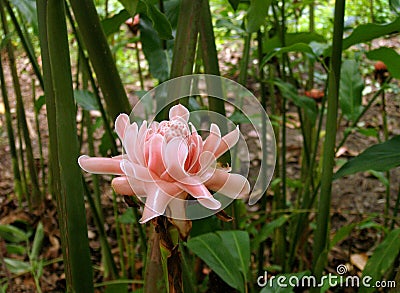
pixel 100 165
pixel 213 140
pixel 156 202
pixel 130 140
pixel 230 185
pixel 154 156
pixel 121 186
pixel 136 171
pixel 227 142
pixel 179 111
pixel 121 124
pixel 201 193
pixel 195 149
pixel 138 147
pixel 175 155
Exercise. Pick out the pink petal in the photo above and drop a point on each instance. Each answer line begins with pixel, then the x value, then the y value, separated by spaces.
pixel 230 185
pixel 156 202
pixel 139 144
pixel 137 171
pixel 195 149
pixel 179 111
pixel 100 165
pixel 227 142
pixel 175 155
pixel 213 140
pixel 155 151
pixel 206 160
pixel 121 123
pixel 201 193
pixel 130 140
pixel 121 186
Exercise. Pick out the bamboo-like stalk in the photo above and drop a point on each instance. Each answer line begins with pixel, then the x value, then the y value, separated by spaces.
pixel 186 38
pixel 11 138
pixel 39 135
pixel 106 251
pixel 261 77
pixel 86 68
pixel 321 238
pixel 184 52
pixel 26 43
pixel 387 173
pixel 67 175
pixel 22 123
pixel 210 56
pixel 101 57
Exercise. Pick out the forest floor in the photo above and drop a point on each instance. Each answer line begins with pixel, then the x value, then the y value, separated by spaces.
pixel 354 198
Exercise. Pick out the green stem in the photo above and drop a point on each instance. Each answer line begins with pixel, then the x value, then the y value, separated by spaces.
pixel 245 59
pixel 386 137
pixel 43 174
pixel 64 146
pixel 210 57
pixel 36 193
pixel 396 209
pixel 87 69
pixel 108 257
pixel 11 138
pixel 321 233
pixel 26 43
pixel 364 110
pixel 101 57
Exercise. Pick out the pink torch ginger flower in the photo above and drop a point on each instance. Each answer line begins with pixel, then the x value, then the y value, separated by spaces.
pixel 167 161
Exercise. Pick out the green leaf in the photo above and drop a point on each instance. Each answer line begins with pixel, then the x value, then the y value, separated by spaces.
pixel 234 4
pixel 15 249
pixel 367 32
pixel 27 8
pixel 39 103
pixel 238 117
pixel 117 288
pixel 381 176
pixel 307 104
pixel 299 47
pixel 388 56
pixel 37 242
pixel 112 24
pixel 383 258
pixel 86 100
pixel 380 157
pixel 341 234
pixel 153 50
pixel 128 217
pixel 351 87
pixel 218 257
pixel 130 6
pixel 12 234
pixel 395 6
pixel 17 266
pixel 267 230
pixel 291 39
pixel 160 22
pixel 256 14
pixel 238 243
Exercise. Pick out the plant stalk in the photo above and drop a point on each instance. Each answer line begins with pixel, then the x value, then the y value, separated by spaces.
pixel 321 238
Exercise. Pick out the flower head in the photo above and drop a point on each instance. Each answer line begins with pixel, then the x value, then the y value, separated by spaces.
pixel 167 161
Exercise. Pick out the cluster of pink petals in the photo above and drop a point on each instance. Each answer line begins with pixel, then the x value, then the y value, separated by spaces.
pixel 166 161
